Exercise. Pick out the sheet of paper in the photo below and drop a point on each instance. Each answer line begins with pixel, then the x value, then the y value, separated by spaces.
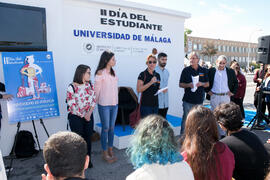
pixel 195 80
pixel 161 90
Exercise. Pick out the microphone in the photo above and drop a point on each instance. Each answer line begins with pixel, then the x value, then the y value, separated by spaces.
pixel 158 80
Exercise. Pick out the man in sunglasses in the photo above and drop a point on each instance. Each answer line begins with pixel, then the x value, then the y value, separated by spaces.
pixel 194 91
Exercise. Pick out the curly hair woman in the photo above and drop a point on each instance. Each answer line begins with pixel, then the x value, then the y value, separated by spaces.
pixel 209 159
pixel 154 153
pixel 251 157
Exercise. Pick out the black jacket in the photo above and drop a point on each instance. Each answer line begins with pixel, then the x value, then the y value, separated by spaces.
pixel 232 80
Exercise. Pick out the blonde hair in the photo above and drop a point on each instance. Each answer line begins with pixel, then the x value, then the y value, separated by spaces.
pixel 150 56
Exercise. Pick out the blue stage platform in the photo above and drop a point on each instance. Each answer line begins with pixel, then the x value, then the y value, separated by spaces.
pixel 122 138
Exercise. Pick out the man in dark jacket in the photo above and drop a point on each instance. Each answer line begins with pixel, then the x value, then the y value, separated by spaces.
pixel 222 83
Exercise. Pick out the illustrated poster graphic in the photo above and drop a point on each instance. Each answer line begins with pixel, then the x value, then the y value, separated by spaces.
pixel 29 77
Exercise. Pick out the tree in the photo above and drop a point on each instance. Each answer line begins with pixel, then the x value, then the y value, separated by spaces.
pixel 209 50
pixel 186 32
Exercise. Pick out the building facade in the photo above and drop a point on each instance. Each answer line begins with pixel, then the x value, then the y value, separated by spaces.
pixel 237 50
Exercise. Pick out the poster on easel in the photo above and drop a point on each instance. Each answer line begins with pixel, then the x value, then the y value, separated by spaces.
pixel 30 78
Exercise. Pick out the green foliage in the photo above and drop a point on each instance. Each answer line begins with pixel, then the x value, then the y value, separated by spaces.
pixel 209 50
pixel 256 66
pixel 186 32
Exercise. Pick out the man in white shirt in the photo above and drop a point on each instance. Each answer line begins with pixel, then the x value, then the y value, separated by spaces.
pixel 163 98
pixel 223 83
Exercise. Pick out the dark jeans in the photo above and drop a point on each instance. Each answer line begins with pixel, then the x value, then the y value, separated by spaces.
pixel 163 112
pixel 83 128
pixel 186 108
pixel 147 110
pixel 239 102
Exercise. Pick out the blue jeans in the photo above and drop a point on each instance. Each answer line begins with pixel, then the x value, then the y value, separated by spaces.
pixel 147 110
pixel 186 108
pixel 107 116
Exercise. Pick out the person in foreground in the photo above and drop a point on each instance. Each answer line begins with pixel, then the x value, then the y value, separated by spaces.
pixel 209 159
pixel 65 155
pixel 251 158
pixel 154 153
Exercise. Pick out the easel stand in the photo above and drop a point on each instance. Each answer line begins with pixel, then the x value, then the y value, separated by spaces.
pixel 259 115
pixel 15 141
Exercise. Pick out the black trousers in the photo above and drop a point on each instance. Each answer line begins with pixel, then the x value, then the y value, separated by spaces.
pixel 83 128
pixel 239 102
pixel 264 104
pixel 163 112
pixel 0 119
pixel 256 100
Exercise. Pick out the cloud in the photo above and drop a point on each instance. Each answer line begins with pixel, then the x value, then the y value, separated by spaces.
pixel 220 25
pixel 202 3
pixel 234 8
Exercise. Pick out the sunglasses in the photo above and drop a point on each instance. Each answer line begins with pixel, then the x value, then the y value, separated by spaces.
pixel 150 62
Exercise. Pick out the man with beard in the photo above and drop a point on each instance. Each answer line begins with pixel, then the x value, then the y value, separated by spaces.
pixel 163 98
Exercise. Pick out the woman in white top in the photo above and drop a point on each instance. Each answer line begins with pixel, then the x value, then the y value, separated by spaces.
pixel 154 153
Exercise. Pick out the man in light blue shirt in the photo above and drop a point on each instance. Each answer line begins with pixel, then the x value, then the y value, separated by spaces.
pixel 163 97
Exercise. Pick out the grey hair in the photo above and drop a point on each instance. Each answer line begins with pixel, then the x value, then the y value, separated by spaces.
pixel 222 57
pixel 192 54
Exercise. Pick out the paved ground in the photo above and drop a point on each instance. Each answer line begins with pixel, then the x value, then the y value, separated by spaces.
pixel 31 168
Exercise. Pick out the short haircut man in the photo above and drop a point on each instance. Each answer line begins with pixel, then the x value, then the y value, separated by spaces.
pixel 222 85
pixel 163 98
pixel 65 154
pixel 194 93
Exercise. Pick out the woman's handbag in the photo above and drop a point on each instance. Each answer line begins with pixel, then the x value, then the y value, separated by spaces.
pixel 135 116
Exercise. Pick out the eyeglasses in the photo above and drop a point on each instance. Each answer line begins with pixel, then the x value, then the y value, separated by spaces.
pixel 150 62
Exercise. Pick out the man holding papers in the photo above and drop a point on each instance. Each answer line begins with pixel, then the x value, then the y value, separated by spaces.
pixel 194 79
pixel 163 97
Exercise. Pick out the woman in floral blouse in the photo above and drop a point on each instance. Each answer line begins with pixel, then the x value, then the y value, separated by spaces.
pixel 106 88
pixel 81 101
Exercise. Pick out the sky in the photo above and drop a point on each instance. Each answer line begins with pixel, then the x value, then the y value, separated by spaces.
pixel 238 20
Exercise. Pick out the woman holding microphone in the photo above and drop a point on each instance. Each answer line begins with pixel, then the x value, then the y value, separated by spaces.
pixel 148 85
